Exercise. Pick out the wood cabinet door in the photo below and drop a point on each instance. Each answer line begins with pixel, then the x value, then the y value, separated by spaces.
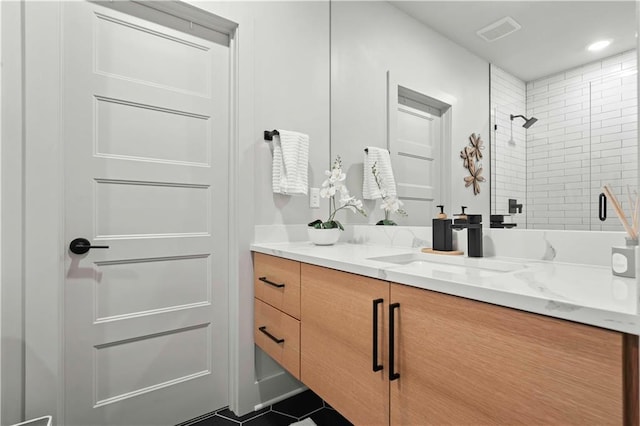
pixel 337 362
pixel 466 362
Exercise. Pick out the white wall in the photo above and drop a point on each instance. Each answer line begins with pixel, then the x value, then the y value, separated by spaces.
pixel 586 136
pixel 367 39
pixel 284 83
pixel 508 144
pixel 11 342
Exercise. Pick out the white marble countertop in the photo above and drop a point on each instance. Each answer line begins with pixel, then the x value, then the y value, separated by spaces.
pixel 582 293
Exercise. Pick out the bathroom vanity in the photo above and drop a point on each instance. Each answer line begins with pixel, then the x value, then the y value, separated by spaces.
pixel 389 335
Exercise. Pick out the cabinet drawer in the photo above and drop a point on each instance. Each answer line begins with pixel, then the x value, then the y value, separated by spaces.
pixel 278 335
pixel 277 282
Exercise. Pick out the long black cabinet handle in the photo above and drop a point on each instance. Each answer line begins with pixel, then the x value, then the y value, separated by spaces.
pixel 376 366
pixel 392 337
pixel 269 335
pixel 266 281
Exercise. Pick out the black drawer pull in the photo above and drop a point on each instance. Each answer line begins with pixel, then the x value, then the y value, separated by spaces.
pixel 376 366
pixel 266 281
pixel 269 335
pixel 392 337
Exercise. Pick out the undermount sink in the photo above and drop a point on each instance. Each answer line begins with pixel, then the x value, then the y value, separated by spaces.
pixel 425 263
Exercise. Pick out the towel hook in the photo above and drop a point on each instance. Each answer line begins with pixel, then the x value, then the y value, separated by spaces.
pixel 269 134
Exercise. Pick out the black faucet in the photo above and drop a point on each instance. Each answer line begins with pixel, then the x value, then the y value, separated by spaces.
pixel 514 207
pixel 473 224
pixel 497 221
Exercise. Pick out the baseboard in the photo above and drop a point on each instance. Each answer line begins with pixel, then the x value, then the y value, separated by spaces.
pixel 280 398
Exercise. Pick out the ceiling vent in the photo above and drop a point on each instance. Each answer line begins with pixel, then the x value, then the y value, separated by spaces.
pixel 499 29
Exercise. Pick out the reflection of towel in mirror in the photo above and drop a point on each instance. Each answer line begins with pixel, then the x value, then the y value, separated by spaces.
pixel 290 163
pixel 381 158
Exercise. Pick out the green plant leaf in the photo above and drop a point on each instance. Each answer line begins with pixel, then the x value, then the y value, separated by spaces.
pixel 316 224
pixel 331 224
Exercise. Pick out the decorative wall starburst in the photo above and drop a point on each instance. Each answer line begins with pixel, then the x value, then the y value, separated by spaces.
pixel 471 156
pixel 476 146
pixel 475 178
pixel 464 154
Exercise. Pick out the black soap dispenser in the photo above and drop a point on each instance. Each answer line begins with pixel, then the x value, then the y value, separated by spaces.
pixel 442 234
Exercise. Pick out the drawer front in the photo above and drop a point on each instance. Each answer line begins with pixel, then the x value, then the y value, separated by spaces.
pixel 277 282
pixel 278 335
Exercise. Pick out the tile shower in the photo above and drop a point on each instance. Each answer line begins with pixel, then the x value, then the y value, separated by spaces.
pixel 586 136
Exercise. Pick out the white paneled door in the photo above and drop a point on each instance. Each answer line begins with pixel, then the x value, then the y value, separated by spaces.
pixel 145 129
pixel 416 160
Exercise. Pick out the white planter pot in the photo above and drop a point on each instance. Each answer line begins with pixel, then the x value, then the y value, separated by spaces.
pixel 324 237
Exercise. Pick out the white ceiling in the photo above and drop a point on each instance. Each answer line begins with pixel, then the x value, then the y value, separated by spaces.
pixel 554 34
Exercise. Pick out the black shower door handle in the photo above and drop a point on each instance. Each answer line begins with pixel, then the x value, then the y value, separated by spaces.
pixel 602 207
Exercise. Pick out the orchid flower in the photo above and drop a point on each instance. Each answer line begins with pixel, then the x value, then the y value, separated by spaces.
pixel 332 186
pixel 390 204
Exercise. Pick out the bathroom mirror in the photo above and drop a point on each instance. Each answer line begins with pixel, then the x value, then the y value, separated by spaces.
pixel 434 46
pixel 382 61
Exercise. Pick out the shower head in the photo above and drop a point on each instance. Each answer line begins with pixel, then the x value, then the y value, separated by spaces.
pixel 528 122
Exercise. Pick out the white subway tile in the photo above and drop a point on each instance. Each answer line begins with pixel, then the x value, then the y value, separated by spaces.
pixel 606 115
pixel 581 113
pixel 566 109
pixel 606 131
pixel 598 73
pixel 618 135
pixel 612 83
pixel 605 100
pixel 603 146
pixel 538 109
pixel 583 69
pixel 565 165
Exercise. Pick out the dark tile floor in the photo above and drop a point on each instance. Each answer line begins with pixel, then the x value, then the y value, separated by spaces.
pixel 291 410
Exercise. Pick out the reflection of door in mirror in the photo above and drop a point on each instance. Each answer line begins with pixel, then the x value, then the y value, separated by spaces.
pixel 418 127
pixel 416 159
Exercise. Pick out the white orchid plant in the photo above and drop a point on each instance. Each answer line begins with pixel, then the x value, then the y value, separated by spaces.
pixel 390 204
pixel 331 188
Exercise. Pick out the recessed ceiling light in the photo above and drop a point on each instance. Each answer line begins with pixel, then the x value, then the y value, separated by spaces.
pixel 598 45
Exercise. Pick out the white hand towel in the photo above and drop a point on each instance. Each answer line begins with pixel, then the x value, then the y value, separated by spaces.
pixel 370 189
pixel 290 163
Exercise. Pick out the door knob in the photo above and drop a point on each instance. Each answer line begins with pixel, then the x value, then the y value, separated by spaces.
pixel 82 245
